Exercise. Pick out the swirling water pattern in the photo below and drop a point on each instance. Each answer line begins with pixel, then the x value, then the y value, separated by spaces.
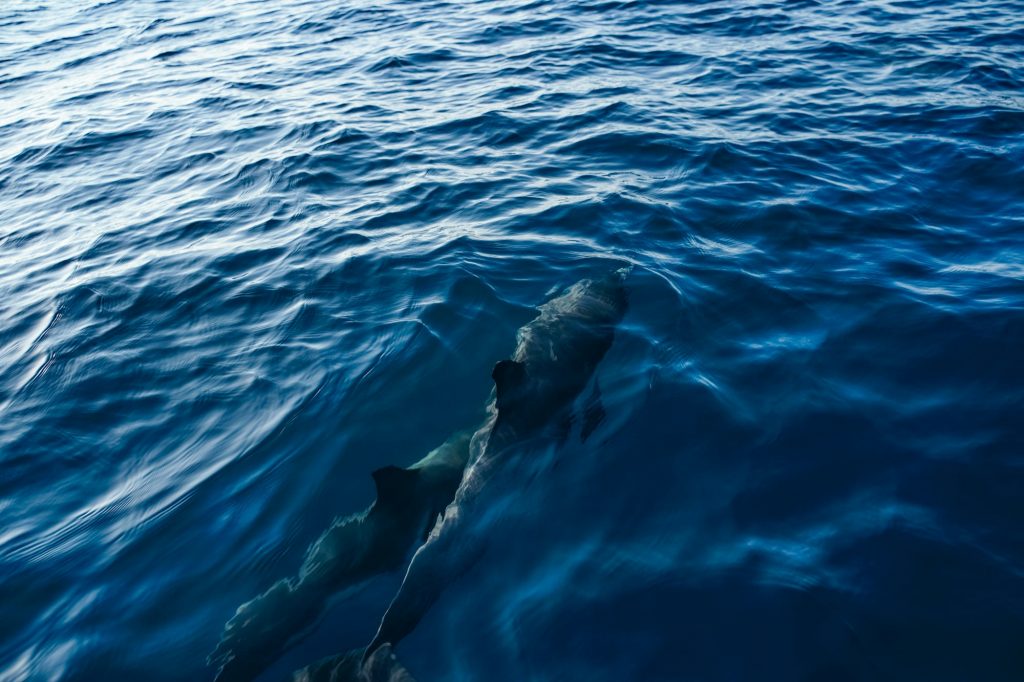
pixel 251 251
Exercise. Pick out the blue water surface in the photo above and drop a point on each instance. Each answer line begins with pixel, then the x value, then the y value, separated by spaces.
pixel 251 251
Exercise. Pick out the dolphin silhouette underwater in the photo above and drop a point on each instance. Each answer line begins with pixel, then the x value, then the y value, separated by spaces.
pixel 556 356
pixel 354 549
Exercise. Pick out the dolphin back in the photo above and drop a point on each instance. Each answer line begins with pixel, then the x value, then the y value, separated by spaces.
pixel 353 549
pixel 557 353
pixel 555 358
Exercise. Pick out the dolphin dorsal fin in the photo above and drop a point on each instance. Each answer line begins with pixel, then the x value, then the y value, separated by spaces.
pixel 509 378
pixel 394 483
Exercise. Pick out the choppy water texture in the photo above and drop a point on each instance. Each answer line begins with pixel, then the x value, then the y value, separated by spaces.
pixel 251 251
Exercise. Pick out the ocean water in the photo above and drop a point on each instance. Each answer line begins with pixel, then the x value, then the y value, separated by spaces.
pixel 252 251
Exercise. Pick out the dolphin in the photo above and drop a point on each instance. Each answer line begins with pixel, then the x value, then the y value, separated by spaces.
pixel 555 357
pixel 354 549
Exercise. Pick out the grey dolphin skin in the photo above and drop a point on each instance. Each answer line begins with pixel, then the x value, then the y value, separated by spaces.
pixel 555 358
pixel 352 550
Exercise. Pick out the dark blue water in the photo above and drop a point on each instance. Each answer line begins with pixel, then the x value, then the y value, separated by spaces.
pixel 251 251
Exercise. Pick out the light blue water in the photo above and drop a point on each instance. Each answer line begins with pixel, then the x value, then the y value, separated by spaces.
pixel 251 251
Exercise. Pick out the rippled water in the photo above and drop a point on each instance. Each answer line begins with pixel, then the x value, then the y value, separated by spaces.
pixel 251 251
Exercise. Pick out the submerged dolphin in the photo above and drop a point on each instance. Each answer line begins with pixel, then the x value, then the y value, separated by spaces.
pixel 352 550
pixel 555 358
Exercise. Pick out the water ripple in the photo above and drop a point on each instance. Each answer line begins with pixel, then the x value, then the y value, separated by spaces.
pixel 244 248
